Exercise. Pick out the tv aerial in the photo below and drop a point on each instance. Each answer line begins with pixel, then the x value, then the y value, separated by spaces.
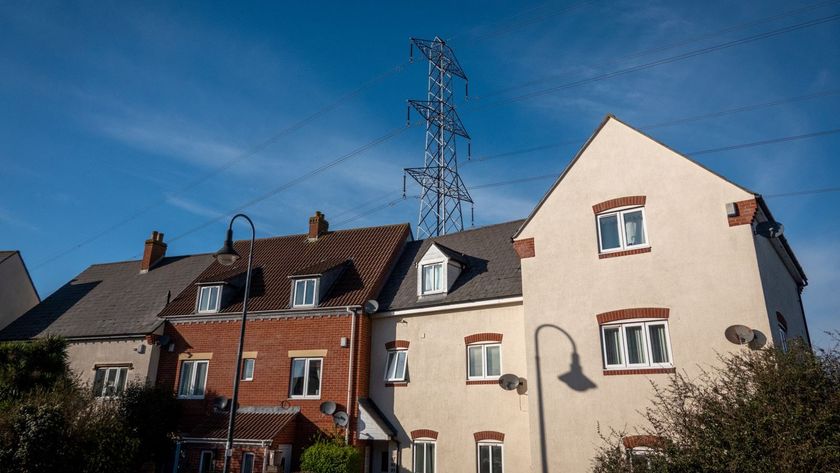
pixel 739 334
pixel 341 419
pixel 328 408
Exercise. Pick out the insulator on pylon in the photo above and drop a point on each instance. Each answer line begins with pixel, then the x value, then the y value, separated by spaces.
pixel 467 90
pixel 403 185
pixel 411 52
pixel 469 150
pixel 407 115
pixel 472 215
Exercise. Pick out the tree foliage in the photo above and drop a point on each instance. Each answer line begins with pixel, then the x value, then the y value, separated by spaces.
pixel 759 411
pixel 26 367
pixel 330 455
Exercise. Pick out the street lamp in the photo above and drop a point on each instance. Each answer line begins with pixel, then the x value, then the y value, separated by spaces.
pixel 226 256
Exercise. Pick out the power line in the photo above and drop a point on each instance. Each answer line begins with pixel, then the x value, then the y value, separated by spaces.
pixel 766 142
pixel 667 60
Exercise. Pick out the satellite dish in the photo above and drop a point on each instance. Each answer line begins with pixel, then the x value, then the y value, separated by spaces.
pixel 739 334
pixel 770 229
pixel 341 419
pixel 371 306
pixel 220 403
pixel 509 381
pixel 328 408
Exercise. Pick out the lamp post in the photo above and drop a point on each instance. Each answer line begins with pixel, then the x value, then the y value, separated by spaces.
pixel 227 256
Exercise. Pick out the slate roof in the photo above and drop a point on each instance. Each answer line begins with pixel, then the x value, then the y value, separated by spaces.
pixel 6 254
pixel 492 269
pixel 108 300
pixel 369 252
pixel 251 424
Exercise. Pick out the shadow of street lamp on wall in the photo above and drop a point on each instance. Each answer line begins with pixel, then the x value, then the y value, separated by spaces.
pixel 574 379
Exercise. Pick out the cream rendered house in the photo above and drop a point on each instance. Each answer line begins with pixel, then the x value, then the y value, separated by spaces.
pixel 633 266
pixel 450 323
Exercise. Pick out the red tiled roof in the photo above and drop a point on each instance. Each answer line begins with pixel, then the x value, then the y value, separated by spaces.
pixel 261 424
pixel 369 251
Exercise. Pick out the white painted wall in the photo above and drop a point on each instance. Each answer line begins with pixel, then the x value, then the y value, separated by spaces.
pixel 83 356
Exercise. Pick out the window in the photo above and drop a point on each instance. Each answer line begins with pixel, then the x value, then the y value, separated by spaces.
pixel 193 379
pixel 622 230
pixel 490 459
pixel 395 369
pixel 304 293
pixel 432 275
pixel 484 361
pixel 247 463
pixel 209 298
pixel 783 338
pixel 248 369
pixel 306 378
pixel 110 381
pixel 636 345
pixel 424 457
pixel 206 463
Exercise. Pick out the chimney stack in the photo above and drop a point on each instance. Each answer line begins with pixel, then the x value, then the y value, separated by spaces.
pixel 154 251
pixel 318 226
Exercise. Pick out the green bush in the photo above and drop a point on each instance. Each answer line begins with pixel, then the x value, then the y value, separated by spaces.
pixel 330 455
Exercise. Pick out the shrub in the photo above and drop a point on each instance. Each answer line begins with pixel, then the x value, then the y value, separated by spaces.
pixel 330 455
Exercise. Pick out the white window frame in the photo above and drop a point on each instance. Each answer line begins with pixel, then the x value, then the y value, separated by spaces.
pixel 625 364
pixel 201 460
pixel 783 337
pixel 201 297
pixel 443 283
pixel 192 382
pixel 314 292
pixel 622 239
pixel 478 454
pixel 307 361
pixel 122 372
pixel 396 353
pixel 423 442
pixel 484 374
pixel 253 369
pixel 253 459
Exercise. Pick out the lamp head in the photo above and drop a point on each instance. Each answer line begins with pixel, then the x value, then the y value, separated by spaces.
pixel 226 255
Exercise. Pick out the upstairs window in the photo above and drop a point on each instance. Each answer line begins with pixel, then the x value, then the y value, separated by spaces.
pixel 432 275
pixel 636 345
pixel 248 369
pixel 109 382
pixel 622 230
pixel 193 379
pixel 395 369
pixel 304 293
pixel 209 298
pixel 306 378
pixel 783 332
pixel 484 361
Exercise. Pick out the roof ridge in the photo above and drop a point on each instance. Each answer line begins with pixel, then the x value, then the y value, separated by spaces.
pixel 189 255
pixel 344 230
pixel 483 227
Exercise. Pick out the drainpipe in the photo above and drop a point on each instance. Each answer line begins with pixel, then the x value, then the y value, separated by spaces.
pixel 352 312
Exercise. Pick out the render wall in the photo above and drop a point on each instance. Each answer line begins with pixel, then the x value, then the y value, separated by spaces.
pixel 84 356
pixel 700 268
pixel 438 397
pixel 16 292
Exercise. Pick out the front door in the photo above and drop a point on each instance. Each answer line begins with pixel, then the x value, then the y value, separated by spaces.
pixel 283 458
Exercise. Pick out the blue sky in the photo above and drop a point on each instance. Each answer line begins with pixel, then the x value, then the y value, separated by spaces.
pixel 108 111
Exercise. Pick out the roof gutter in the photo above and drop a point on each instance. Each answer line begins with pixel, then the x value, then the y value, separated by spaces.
pixel 264 314
pixel 254 442
pixel 445 307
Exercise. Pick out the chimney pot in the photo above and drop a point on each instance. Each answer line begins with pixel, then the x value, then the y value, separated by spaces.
pixel 318 226
pixel 154 251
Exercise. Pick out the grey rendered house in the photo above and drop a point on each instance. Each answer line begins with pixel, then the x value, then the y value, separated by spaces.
pixel 17 293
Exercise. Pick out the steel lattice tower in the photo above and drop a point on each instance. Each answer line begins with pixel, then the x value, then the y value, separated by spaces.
pixel 442 190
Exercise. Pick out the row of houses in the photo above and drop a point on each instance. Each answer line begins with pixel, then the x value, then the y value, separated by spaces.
pixel 497 349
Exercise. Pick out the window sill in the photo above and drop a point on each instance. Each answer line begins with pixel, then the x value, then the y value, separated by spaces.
pixel 616 372
pixel 482 381
pixel 190 398
pixel 634 251
pixel 305 398
pixel 396 384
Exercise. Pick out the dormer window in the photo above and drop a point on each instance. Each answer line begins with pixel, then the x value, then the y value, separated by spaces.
pixel 432 275
pixel 209 299
pixel 305 290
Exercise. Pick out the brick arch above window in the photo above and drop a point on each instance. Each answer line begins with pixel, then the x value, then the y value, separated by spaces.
pixel 485 435
pixel 619 202
pixel 650 441
pixel 397 344
pixel 483 338
pixel 424 434
pixel 633 313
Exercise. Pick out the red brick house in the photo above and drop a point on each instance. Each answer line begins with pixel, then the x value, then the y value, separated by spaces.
pixel 307 343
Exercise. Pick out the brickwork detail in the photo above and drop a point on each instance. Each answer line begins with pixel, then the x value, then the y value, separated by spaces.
pixel 423 434
pixel 489 435
pixel 633 441
pixel 397 344
pixel 482 381
pixel 401 384
pixel 634 313
pixel 744 212
pixel 483 337
pixel 619 202
pixel 640 371
pixel 613 254
pixel 524 248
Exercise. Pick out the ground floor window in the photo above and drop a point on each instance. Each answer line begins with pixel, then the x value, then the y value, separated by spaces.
pixel 424 457
pixel 490 458
pixel 205 465
pixel 248 463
